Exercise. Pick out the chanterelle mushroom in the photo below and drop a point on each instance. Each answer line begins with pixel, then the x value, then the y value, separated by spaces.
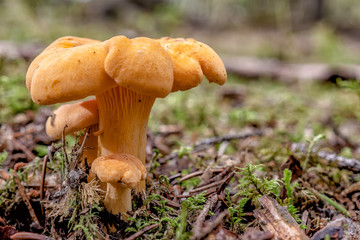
pixel 126 76
pixel 122 172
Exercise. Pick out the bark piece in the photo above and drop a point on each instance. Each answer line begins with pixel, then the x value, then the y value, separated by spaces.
pixel 277 220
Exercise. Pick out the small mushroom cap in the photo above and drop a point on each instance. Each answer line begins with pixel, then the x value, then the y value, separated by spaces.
pixel 119 167
pixel 139 64
pixel 191 59
pixel 76 116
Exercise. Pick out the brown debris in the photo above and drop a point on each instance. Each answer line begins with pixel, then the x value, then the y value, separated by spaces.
pixel 6 232
pixel 201 145
pixel 142 231
pixel 28 236
pixel 201 218
pixel 286 72
pixel 351 164
pixel 343 228
pixel 277 220
pixel 210 226
pixel 254 234
pixel 23 194
pixel 221 233
pixel 353 188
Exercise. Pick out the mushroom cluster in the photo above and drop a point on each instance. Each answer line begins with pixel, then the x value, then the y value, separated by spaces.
pixel 126 76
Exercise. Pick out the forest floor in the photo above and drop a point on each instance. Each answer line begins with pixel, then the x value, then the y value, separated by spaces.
pixel 253 159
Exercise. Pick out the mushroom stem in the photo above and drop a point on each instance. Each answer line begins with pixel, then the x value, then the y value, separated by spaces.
pixel 118 198
pixel 123 115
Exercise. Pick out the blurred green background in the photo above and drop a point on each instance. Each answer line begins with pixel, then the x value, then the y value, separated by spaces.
pixel 297 30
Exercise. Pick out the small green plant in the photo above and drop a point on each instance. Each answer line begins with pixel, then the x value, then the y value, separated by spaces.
pixel 173 224
pixel 162 209
pixel 184 151
pixel 289 201
pixel 188 206
pixel 154 160
pixel 192 182
pixel 87 225
pixel 312 143
pixel 235 211
pixel 252 187
pixel 3 157
pixel 14 97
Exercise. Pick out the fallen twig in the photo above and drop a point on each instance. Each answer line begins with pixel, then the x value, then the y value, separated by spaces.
pixel 211 226
pixel 24 197
pixel 28 236
pixel 215 184
pixel 191 175
pixel 343 162
pixel 225 183
pixel 217 177
pixel 43 174
pixel 214 140
pixel 142 231
pixel 351 164
pixel 353 188
pixel 20 146
pixel 197 147
pixel 201 218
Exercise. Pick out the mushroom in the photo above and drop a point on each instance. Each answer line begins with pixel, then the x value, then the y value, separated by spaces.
pixel 73 117
pixel 126 76
pixel 122 172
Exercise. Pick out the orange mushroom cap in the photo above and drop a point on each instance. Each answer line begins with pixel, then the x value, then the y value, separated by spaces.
pixel 75 116
pixel 73 68
pixel 191 59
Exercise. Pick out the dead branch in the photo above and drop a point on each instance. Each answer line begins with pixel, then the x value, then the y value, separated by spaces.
pixel 28 235
pixel 199 146
pixel 248 67
pixel 277 220
pixel 215 140
pixel 351 164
